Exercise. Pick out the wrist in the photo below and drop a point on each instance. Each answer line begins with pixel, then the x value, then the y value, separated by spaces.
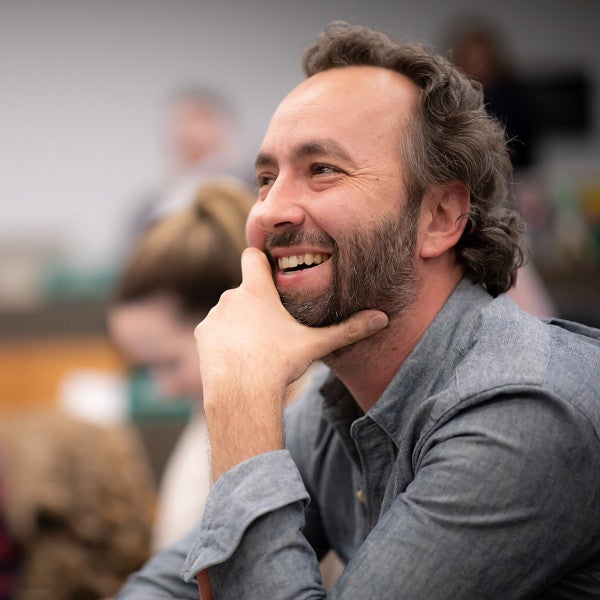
pixel 242 426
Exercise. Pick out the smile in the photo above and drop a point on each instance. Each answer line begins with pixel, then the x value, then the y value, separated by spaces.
pixel 300 261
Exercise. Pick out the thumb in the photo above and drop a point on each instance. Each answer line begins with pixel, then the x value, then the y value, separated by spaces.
pixel 359 326
pixel 256 271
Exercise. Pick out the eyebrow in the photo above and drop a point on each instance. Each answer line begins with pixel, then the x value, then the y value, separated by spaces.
pixel 306 150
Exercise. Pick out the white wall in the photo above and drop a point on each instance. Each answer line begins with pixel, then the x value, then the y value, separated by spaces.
pixel 82 82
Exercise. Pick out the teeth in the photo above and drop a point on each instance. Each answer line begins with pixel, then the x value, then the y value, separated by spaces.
pixel 290 262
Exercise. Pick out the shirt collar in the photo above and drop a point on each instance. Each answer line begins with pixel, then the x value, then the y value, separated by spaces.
pixel 428 367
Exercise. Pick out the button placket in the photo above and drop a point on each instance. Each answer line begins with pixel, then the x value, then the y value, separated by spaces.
pixel 360 496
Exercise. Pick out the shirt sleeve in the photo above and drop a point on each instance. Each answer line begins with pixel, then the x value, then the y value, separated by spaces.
pixel 159 578
pixel 490 513
pixel 260 486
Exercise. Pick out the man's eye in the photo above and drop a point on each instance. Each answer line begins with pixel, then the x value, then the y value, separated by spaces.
pixel 263 180
pixel 322 169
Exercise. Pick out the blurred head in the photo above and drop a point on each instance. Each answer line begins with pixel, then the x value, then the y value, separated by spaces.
pixel 450 137
pixel 200 126
pixel 175 274
pixel 479 51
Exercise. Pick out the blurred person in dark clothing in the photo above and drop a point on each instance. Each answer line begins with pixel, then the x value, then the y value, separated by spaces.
pixel 480 51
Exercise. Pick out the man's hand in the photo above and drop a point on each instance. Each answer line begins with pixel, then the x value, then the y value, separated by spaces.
pixel 251 349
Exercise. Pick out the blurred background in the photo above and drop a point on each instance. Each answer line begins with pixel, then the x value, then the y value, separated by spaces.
pixel 84 85
pixel 103 125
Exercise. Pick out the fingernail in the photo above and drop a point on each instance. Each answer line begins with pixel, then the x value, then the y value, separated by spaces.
pixel 378 322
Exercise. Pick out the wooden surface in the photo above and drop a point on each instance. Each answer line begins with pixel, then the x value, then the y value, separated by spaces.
pixel 32 369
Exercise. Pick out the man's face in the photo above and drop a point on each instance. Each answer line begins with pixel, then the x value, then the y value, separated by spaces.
pixel 331 212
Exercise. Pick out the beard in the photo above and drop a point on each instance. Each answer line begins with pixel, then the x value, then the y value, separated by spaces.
pixel 372 270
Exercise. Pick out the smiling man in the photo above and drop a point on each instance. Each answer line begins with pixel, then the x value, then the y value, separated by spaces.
pixel 451 447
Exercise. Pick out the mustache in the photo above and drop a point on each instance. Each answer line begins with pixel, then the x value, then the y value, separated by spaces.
pixel 296 236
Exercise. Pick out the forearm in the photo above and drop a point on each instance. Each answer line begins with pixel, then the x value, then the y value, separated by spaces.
pixel 237 426
pixel 251 350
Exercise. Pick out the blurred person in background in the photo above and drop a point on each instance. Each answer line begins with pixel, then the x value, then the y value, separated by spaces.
pixel 176 272
pixel 481 52
pixel 202 139
pixel 9 552
pixel 76 506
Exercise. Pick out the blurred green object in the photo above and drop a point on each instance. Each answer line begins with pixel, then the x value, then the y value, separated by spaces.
pixel 146 404
pixel 69 282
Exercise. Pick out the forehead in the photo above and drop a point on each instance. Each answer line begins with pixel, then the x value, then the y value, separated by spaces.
pixel 357 106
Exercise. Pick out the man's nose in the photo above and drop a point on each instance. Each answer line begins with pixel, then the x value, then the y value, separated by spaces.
pixel 281 208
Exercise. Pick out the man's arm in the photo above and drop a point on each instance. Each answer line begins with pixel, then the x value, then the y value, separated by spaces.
pixel 251 350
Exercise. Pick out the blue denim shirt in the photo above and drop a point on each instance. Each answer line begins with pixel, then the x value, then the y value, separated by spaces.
pixel 475 475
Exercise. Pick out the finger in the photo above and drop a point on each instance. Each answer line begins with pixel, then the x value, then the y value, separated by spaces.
pixel 256 270
pixel 358 327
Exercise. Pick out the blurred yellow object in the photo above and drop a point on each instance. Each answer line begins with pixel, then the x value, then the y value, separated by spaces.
pixel 32 369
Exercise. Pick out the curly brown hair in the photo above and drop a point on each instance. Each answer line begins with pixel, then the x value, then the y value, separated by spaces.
pixel 452 138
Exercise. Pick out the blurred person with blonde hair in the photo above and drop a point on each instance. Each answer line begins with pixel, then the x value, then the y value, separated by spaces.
pixel 176 272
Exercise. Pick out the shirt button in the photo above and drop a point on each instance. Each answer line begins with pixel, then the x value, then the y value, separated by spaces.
pixel 360 496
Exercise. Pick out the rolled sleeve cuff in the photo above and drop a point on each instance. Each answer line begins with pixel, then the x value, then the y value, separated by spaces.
pixel 257 486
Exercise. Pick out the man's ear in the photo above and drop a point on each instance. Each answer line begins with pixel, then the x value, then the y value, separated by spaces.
pixel 444 212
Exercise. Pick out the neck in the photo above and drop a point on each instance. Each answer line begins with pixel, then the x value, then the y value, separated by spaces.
pixel 367 367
